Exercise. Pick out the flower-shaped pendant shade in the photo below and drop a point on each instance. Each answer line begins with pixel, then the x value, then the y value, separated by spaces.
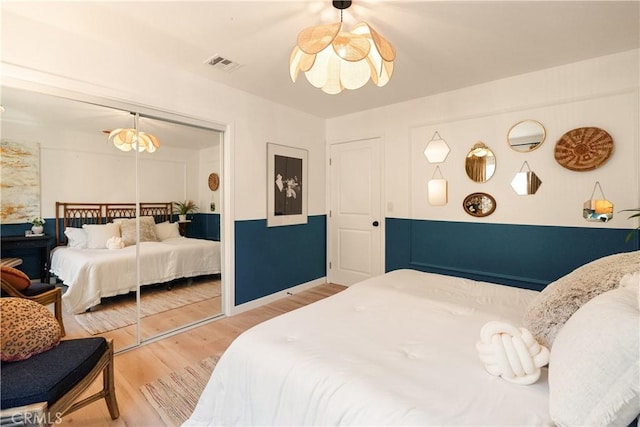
pixel 334 60
pixel 130 139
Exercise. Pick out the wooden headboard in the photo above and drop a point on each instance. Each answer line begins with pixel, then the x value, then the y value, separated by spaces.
pixel 78 214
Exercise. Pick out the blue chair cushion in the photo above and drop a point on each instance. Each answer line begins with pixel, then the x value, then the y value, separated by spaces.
pixel 47 376
pixel 37 288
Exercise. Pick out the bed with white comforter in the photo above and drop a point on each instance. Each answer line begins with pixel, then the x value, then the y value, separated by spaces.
pixel 398 349
pixel 92 274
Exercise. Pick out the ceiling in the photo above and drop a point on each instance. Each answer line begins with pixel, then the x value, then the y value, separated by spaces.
pixel 440 45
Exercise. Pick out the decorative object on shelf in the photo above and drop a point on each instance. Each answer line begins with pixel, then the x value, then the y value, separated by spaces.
pixel 438 189
pixel 526 136
pixel 132 139
pixel 597 210
pixel 286 185
pixel 479 204
pixel 213 181
pixel 333 59
pixel 480 163
pixel 526 182
pixel 437 149
pixel 583 149
pixel 37 225
pixel 184 208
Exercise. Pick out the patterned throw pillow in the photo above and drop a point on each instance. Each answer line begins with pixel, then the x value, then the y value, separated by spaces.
pixel 128 230
pixel 26 329
pixel 15 277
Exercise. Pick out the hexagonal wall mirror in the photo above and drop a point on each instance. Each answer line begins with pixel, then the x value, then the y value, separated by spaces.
pixel 437 149
pixel 526 182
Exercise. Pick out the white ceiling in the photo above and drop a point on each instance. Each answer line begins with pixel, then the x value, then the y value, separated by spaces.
pixel 440 45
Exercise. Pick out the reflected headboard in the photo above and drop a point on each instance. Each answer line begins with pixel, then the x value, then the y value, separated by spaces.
pixel 78 214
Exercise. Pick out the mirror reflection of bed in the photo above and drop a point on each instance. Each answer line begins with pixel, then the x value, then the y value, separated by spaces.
pixel 78 164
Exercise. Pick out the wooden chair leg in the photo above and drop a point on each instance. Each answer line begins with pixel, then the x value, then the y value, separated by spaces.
pixel 57 305
pixel 109 387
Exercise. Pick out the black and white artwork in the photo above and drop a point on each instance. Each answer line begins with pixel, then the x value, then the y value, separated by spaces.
pixel 287 203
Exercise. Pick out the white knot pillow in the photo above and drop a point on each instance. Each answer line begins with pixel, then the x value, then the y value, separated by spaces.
pixel 511 353
pixel 115 243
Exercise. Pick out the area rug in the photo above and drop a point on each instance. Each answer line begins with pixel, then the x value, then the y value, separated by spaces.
pixel 175 396
pixel 119 312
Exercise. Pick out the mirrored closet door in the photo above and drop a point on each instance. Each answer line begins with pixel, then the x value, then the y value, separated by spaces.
pixel 131 288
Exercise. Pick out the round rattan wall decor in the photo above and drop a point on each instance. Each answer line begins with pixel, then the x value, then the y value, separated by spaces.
pixel 214 181
pixel 584 149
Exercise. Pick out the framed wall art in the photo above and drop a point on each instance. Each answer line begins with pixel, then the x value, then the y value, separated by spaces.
pixel 286 185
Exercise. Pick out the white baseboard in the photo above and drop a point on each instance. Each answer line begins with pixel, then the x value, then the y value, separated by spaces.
pixel 281 294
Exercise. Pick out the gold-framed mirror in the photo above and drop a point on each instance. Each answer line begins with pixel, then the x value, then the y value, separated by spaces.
pixel 479 204
pixel 480 163
pixel 526 136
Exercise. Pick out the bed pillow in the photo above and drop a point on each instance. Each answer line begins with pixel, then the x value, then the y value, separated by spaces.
pixel 594 373
pixel 27 329
pixel 76 237
pixel 549 311
pixel 167 230
pixel 15 277
pixel 98 234
pixel 128 230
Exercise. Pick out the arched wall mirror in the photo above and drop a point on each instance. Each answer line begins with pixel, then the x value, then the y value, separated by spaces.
pixel 526 136
pixel 78 165
pixel 480 163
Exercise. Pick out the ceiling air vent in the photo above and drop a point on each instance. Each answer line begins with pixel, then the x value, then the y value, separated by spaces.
pixel 221 63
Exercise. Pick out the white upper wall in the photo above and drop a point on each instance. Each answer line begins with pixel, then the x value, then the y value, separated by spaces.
pixel 602 92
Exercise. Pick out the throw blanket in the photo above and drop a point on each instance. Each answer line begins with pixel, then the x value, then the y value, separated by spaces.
pixel 511 353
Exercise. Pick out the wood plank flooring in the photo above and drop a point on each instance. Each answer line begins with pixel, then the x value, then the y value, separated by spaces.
pixel 142 365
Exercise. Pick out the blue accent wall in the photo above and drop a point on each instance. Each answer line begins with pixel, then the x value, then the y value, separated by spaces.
pixel 204 226
pixel 271 259
pixel 527 256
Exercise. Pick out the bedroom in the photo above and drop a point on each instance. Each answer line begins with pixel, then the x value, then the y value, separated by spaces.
pixel 256 121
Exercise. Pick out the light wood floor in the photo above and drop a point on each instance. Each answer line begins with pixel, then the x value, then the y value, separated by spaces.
pixel 142 365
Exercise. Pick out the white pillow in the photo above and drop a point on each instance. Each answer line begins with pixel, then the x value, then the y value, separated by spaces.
pixel 76 237
pixel 594 368
pixel 167 230
pixel 98 234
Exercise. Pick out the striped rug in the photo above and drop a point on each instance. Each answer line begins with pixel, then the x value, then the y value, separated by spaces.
pixel 175 396
pixel 119 312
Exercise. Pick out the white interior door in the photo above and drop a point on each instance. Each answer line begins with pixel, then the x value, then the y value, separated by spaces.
pixel 355 221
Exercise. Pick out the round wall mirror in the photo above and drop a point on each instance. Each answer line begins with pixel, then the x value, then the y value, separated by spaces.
pixel 526 136
pixel 479 204
pixel 480 163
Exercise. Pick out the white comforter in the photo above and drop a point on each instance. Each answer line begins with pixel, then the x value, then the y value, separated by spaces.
pixel 398 349
pixel 92 274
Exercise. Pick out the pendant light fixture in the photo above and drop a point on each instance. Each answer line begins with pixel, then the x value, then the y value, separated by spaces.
pixel 132 139
pixel 333 59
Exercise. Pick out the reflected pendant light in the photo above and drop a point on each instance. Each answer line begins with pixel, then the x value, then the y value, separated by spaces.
pixel 333 59
pixel 132 139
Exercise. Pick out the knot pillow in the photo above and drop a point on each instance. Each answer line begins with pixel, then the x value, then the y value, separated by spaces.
pixel 26 329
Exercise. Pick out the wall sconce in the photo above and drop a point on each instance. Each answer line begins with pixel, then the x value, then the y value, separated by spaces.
pixel 526 182
pixel 438 189
pixel 597 210
pixel 437 149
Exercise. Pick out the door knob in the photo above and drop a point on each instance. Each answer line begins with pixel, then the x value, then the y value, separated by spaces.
pixel 375 223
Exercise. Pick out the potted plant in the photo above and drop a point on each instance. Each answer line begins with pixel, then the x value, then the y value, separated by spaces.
pixel 37 225
pixel 184 208
pixel 635 215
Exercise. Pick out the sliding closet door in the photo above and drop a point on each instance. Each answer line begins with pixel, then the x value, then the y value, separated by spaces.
pixel 179 171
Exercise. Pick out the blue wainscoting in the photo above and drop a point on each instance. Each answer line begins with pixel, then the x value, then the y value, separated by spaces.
pixel 526 256
pixel 204 226
pixel 271 259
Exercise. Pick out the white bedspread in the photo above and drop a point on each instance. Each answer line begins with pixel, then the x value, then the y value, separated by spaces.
pixel 398 349
pixel 92 274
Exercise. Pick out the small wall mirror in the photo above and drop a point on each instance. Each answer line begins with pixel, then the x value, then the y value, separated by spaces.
pixel 480 163
pixel 479 204
pixel 526 136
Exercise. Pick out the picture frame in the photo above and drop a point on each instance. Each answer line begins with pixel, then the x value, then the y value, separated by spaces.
pixel 287 185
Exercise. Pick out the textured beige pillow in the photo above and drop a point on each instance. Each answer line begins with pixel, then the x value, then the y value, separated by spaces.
pixel 594 369
pixel 128 230
pixel 28 328
pixel 550 310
